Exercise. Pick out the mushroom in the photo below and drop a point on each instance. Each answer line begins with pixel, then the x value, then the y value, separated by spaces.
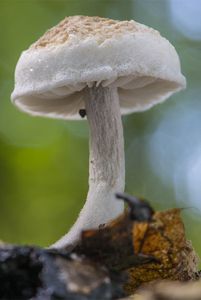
pixel 102 68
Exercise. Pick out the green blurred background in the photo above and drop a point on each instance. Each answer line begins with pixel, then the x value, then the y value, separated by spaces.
pixel 44 163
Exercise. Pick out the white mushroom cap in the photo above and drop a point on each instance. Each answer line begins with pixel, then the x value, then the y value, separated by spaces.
pixel 52 74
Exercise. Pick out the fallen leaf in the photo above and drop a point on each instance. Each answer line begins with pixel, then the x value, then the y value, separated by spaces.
pixel 144 250
pixel 164 239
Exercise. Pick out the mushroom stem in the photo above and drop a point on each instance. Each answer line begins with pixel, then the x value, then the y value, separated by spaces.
pixel 106 162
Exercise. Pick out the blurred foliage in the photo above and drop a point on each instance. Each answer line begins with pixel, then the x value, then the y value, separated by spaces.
pixel 44 163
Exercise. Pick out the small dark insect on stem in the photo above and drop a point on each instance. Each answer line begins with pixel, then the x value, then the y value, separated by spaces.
pixel 82 113
pixel 139 210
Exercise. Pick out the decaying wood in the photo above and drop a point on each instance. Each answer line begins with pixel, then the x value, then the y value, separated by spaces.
pixel 169 291
pixel 136 249
pixel 112 244
pixel 37 274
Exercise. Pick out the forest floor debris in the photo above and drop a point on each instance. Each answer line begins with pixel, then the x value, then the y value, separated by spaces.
pixel 113 261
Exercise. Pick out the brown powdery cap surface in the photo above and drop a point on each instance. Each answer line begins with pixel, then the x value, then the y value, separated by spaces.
pixel 85 27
